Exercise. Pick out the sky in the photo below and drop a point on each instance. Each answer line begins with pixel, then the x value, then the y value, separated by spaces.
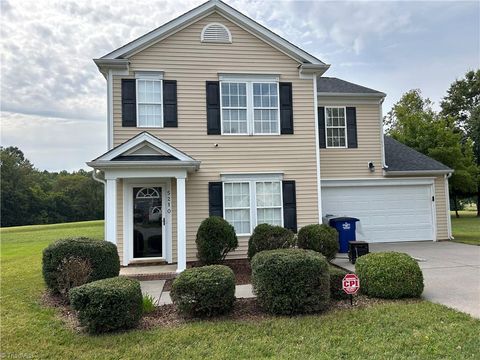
pixel 53 99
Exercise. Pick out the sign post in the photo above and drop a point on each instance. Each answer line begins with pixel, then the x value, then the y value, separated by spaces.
pixel 351 285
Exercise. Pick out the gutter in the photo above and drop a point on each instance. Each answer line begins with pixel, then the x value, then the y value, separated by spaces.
pixel 130 164
pixel 94 176
pixel 418 172
pixel 370 95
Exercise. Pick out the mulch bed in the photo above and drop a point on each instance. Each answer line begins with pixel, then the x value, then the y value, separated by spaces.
pixel 246 310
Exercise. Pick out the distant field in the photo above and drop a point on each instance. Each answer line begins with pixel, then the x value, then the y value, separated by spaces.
pixel 466 229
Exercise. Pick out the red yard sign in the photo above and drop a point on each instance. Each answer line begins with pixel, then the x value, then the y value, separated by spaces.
pixel 350 284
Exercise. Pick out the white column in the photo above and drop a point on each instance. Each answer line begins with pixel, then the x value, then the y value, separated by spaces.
pixel 111 211
pixel 181 226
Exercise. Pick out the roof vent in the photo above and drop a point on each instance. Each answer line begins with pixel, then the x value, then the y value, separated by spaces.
pixel 216 33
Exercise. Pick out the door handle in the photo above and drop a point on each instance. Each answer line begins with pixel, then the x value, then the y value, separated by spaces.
pixel 163 221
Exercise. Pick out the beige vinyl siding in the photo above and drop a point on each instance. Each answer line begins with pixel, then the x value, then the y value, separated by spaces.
pixel 353 163
pixel 184 58
pixel 441 208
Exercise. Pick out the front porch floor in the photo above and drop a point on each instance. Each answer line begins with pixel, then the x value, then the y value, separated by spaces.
pixel 150 272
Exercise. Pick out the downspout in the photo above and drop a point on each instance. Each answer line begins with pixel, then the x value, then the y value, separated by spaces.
pixel 96 178
pixel 382 135
pixel 447 200
pixel 317 150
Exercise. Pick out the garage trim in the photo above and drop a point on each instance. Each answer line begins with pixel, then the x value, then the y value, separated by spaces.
pixel 339 183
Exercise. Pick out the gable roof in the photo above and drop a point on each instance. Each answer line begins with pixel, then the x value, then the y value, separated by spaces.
pixel 401 158
pixel 201 11
pixel 335 86
pixel 133 152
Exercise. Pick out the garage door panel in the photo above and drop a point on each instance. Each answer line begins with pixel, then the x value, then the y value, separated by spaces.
pixel 386 213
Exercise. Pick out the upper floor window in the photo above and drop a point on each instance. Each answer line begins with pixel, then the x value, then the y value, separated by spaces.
pixel 249 107
pixel 149 103
pixel 336 127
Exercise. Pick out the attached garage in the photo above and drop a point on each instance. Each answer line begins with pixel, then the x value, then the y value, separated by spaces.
pixel 389 210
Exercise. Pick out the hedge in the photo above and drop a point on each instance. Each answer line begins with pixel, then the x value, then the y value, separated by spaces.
pixel 389 275
pixel 215 239
pixel 336 283
pixel 102 257
pixel 291 281
pixel 108 305
pixel 321 238
pixel 204 291
pixel 269 237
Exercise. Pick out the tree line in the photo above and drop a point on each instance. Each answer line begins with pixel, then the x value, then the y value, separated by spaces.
pixel 450 135
pixel 30 196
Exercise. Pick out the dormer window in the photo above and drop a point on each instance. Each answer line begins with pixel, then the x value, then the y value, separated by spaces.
pixel 216 33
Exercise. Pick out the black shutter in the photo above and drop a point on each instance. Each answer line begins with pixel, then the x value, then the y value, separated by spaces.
pixel 352 127
pixel 215 199
pixel 322 142
pixel 129 103
pixel 170 103
pixel 213 108
pixel 286 108
pixel 289 205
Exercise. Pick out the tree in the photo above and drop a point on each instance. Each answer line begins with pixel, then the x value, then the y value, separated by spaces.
pixel 462 103
pixel 413 122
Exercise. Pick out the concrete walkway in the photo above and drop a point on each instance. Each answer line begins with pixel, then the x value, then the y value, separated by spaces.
pixel 154 288
pixel 451 271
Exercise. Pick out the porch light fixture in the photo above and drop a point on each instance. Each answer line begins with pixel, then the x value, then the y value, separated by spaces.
pixel 371 166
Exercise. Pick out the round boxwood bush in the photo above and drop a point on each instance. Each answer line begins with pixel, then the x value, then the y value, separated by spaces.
pixel 102 256
pixel 204 291
pixel 108 304
pixel 389 275
pixel 321 238
pixel 269 237
pixel 336 286
pixel 215 239
pixel 291 281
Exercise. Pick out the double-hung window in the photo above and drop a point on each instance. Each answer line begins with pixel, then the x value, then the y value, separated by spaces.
pixel 336 127
pixel 250 106
pixel 149 102
pixel 248 203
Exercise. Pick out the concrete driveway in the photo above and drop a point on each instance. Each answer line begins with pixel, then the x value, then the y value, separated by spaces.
pixel 451 271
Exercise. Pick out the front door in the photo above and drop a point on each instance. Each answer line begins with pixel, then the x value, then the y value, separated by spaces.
pixel 147 222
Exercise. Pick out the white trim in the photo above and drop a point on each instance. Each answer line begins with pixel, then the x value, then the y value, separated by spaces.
pixel 447 200
pixel 140 138
pixel 346 101
pixel 181 225
pixel 140 173
pixel 317 151
pixel 248 77
pixel 376 182
pixel 417 172
pixel 148 74
pixel 128 186
pixel 202 35
pixel 109 110
pixel 204 10
pixel 367 95
pixel 232 177
pixel 382 136
pixel 335 127
pixel 111 211
pixel 138 103
pixel 433 200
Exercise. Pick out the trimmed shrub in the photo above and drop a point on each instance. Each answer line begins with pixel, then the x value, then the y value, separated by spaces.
pixel 291 281
pixel 108 304
pixel 204 291
pixel 389 275
pixel 215 239
pixel 101 255
pixel 319 237
pixel 269 237
pixel 336 288
pixel 72 271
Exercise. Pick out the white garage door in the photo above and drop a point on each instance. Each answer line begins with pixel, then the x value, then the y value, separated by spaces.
pixel 387 213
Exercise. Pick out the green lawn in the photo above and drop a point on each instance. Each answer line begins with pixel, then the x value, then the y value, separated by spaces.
pixel 466 229
pixel 397 331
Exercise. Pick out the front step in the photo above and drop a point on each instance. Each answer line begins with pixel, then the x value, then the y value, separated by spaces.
pixel 149 272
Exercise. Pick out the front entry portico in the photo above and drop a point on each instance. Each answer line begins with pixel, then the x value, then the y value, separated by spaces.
pixel 145 197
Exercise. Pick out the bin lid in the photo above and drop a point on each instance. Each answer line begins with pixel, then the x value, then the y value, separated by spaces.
pixel 343 218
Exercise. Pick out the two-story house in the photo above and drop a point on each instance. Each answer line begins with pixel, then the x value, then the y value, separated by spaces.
pixel 214 114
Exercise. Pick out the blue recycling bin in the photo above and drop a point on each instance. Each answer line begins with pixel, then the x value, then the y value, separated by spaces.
pixel 346 227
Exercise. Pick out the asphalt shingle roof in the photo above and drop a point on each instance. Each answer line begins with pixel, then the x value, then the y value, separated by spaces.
pixel 400 157
pixel 334 85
